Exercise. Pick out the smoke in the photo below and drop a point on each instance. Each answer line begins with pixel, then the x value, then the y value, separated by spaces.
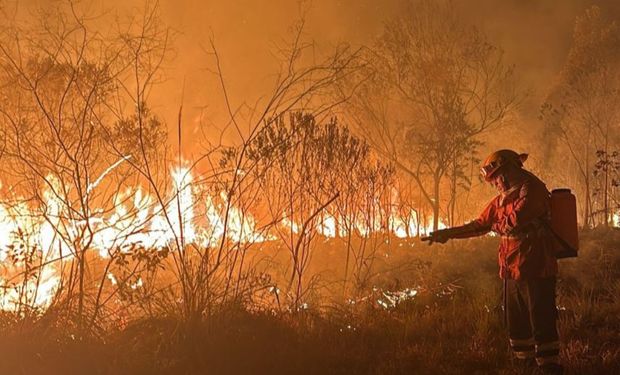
pixel 535 35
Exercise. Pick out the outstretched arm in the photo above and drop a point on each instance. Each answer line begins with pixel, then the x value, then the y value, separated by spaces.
pixel 480 226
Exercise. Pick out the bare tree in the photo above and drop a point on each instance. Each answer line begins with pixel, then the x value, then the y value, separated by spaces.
pixel 317 178
pixel 60 76
pixel 582 111
pixel 431 87
pixel 212 273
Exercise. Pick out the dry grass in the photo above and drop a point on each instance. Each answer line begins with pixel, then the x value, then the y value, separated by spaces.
pixel 453 326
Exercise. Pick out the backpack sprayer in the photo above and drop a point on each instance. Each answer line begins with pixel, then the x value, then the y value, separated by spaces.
pixel 563 223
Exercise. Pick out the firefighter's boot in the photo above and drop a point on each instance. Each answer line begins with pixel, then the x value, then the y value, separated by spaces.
pixel 552 369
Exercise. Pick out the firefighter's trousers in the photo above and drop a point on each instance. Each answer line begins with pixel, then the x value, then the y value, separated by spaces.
pixel 532 315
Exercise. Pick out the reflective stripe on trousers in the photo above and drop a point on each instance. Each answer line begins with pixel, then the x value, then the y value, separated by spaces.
pixel 548 352
pixel 532 316
pixel 523 348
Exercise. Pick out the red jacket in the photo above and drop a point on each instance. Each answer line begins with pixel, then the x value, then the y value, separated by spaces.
pixel 517 215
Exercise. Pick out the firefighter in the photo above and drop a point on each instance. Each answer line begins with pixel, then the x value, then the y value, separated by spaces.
pixel 526 260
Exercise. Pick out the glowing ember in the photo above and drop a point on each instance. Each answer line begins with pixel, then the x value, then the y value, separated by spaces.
pixel 391 299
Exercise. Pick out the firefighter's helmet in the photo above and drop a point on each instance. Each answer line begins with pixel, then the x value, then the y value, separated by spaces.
pixel 494 162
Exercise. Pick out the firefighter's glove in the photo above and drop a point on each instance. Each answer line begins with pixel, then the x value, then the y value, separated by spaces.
pixel 440 236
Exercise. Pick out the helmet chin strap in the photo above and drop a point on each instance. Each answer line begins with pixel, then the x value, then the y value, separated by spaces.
pixel 503 184
pixel 505 189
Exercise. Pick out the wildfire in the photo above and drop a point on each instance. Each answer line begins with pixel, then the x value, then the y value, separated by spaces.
pixel 36 238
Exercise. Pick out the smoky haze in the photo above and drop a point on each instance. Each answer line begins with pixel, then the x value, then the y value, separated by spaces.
pixel 535 36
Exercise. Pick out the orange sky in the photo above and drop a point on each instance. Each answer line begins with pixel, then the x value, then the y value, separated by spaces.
pixel 535 34
pixel 246 33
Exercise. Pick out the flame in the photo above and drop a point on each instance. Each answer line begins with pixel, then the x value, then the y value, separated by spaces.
pixel 26 280
pixel 30 294
pixel 401 226
pixel 137 218
pixel 327 226
pixel 288 223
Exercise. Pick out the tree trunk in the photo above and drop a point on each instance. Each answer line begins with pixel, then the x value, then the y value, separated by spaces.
pixel 606 185
pixel 435 203
pixel 586 205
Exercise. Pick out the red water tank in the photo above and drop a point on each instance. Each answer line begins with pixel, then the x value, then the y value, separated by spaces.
pixel 564 223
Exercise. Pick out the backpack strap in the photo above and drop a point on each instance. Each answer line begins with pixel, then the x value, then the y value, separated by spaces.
pixel 569 251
